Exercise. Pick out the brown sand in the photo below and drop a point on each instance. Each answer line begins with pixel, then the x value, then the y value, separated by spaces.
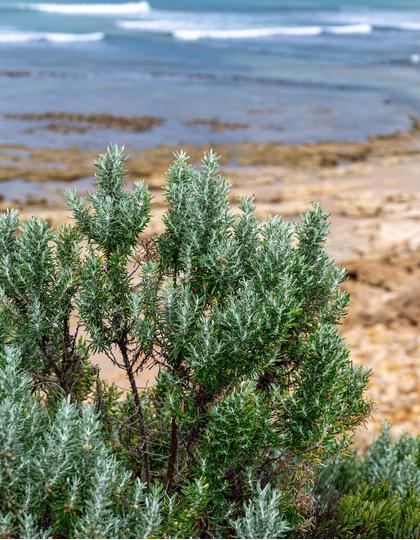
pixel 372 190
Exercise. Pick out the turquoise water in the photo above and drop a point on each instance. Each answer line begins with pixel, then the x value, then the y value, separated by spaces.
pixel 291 70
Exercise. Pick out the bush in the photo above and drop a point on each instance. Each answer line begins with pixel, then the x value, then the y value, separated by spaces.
pixel 57 476
pixel 255 386
pixel 375 495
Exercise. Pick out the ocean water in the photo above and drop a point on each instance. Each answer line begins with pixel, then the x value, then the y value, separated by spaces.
pixel 286 70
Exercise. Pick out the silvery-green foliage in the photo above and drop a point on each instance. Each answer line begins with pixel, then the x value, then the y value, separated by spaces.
pixel 246 315
pixel 396 462
pixel 38 282
pixel 262 516
pixel 57 477
pixel 108 302
pixel 117 216
pixel 390 460
pixel 111 225
pixel 240 317
pixel 375 495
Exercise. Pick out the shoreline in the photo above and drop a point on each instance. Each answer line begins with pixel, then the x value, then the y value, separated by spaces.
pixel 39 164
pixel 373 193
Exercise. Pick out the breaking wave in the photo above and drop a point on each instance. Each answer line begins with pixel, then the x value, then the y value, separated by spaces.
pixel 413 26
pixel 130 8
pixel 179 30
pixel 247 33
pixel 363 28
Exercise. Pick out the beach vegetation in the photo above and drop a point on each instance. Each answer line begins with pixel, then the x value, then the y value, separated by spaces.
pixel 252 392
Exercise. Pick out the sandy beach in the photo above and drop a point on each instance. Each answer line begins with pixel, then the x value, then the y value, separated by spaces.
pixel 372 190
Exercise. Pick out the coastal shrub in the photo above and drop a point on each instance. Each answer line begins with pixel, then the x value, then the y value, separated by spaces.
pixel 375 495
pixel 58 479
pixel 253 385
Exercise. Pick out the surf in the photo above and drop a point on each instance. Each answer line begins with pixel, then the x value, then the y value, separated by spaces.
pixel 247 33
pixel 190 33
pixel 349 29
pixel 131 8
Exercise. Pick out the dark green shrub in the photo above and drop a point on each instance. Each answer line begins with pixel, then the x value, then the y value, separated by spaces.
pixel 255 385
pixel 375 495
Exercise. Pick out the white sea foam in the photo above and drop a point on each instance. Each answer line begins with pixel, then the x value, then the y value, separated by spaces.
pixel 26 37
pixel 179 31
pixel 413 26
pixel 130 8
pixel 182 30
pixel 248 33
pixel 378 20
pixel 362 28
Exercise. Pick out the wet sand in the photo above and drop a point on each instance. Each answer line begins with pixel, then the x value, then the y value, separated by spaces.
pixel 372 190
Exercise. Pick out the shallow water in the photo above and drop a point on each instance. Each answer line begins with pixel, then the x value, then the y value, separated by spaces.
pixel 26 192
pixel 292 70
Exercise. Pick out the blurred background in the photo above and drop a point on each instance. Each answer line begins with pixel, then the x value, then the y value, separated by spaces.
pixel 287 70
pixel 304 99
